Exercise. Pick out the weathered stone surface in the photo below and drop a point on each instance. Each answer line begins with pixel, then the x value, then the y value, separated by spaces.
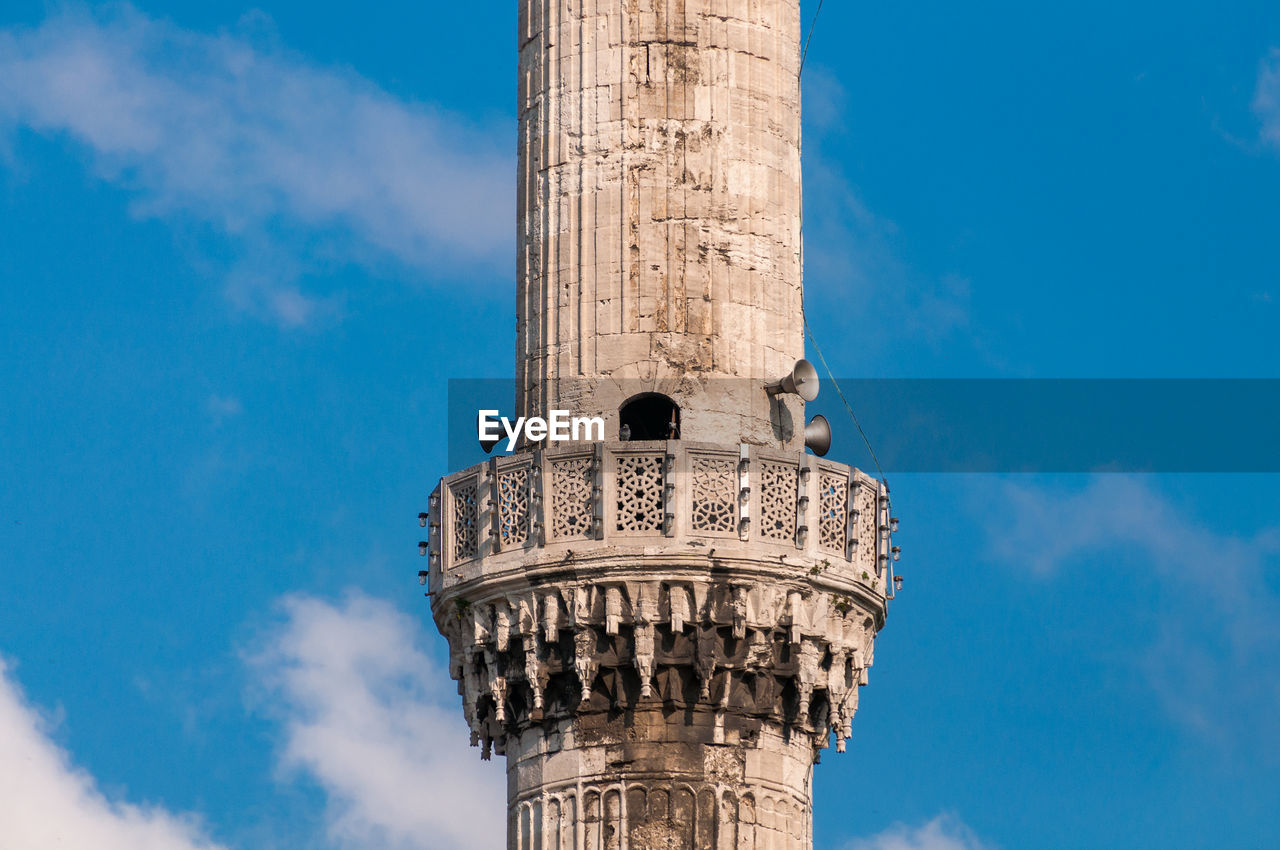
pixel 781 655
pixel 677 789
pixel 659 208
pixel 660 636
pixel 682 639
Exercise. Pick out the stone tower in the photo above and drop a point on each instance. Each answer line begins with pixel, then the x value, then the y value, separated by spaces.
pixel 662 630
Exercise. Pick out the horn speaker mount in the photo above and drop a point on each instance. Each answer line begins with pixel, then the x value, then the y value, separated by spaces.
pixel 803 381
pixel 817 435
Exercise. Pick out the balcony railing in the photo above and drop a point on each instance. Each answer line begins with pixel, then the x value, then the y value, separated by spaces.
pixel 640 492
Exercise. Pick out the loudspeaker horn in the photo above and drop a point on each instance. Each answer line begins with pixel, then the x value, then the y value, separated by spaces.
pixel 817 435
pixel 803 381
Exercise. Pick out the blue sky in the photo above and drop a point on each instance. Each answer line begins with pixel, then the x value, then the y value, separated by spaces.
pixel 243 249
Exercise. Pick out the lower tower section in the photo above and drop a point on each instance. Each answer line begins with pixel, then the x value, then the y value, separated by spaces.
pixel 655 778
pixel 659 637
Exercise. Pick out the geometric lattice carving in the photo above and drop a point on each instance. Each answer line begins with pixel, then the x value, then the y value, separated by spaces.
pixel 571 490
pixel 866 529
pixel 513 506
pixel 715 494
pixel 640 486
pixel 703 485
pixel 777 500
pixel 466 521
pixel 833 511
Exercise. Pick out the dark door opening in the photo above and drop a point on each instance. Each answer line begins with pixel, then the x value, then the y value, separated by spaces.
pixel 651 416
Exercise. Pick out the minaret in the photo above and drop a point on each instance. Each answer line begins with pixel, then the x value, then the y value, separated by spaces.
pixel 660 631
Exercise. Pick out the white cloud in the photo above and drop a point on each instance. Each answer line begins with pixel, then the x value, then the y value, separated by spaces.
pixel 286 157
pixel 364 713
pixel 944 832
pixel 1266 98
pixel 46 802
pixel 368 716
pixel 1214 648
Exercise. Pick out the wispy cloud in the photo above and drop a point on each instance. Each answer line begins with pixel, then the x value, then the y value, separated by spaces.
pixel 289 159
pixel 1213 656
pixel 944 832
pixel 223 407
pixel 1266 99
pixel 852 252
pixel 368 716
pixel 47 803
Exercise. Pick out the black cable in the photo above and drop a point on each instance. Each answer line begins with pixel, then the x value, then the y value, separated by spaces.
pixel 840 392
pixel 812 25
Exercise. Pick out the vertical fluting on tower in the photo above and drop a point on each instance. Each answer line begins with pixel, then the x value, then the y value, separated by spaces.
pixel 659 207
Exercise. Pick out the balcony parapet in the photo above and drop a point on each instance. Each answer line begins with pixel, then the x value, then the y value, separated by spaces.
pixel 673 501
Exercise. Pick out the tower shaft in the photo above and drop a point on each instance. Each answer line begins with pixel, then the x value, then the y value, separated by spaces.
pixel 658 204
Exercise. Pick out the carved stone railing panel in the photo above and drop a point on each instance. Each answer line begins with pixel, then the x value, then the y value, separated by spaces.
pixel 639 493
pixel 778 483
pixel 713 486
pixel 833 510
pixel 571 504
pixel 514 515
pixel 867 534
pixel 464 512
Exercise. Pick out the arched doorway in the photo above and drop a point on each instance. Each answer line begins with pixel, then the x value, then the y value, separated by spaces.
pixel 649 416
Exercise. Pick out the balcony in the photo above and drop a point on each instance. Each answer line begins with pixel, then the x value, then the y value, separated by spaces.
pixel 671 503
